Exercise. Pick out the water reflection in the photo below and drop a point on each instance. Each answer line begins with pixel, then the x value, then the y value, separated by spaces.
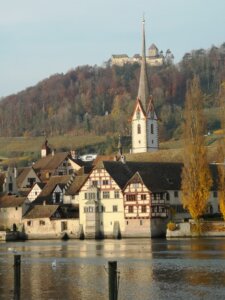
pixel 149 269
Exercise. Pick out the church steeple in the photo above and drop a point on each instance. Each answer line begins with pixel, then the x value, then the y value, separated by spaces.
pixel 144 119
pixel 143 90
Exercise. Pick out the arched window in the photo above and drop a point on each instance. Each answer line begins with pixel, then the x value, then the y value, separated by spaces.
pixel 139 129
pixel 152 129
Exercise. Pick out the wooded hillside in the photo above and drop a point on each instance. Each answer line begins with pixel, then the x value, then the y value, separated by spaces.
pixel 99 100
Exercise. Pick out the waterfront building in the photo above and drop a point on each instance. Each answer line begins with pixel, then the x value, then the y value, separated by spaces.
pixel 49 221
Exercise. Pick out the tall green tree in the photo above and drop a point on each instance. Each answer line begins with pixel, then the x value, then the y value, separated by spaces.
pixel 196 178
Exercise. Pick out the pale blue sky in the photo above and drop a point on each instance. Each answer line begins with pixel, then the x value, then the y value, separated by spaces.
pixel 43 37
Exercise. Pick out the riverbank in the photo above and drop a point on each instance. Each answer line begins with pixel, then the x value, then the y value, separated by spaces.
pixel 189 229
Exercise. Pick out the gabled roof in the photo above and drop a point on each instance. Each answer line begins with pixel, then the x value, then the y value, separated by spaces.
pixel 118 171
pixel 138 104
pixel 77 184
pixel 50 162
pixel 23 173
pixel 11 201
pixel 136 178
pixel 158 176
pixel 151 107
pixel 153 46
pixel 41 211
pixel 51 184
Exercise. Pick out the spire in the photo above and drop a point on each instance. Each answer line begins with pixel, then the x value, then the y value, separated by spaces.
pixel 143 90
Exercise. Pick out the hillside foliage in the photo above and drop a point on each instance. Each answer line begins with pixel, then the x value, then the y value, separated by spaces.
pixel 99 100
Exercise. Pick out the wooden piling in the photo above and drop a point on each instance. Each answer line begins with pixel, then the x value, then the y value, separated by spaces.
pixel 17 273
pixel 112 271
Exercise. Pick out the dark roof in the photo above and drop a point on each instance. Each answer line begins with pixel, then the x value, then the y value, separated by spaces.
pixel 118 171
pixel 76 184
pixel 40 184
pixel 41 211
pixel 11 201
pixel 157 176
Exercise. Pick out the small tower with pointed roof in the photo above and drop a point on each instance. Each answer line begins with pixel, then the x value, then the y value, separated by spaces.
pixel 144 118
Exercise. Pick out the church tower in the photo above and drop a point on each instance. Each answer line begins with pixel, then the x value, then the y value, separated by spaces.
pixel 144 119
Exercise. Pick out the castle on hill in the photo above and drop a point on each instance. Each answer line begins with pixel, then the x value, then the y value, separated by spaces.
pixel 154 58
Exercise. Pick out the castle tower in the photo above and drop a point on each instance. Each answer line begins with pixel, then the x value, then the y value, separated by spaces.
pixel 144 119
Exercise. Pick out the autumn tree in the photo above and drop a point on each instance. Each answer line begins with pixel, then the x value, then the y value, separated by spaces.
pixel 196 179
pixel 221 152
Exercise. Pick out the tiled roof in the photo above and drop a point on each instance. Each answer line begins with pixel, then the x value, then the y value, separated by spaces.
pixel 11 201
pixel 41 211
pixel 50 162
pixel 76 184
pixel 22 175
pixel 119 172
pixel 157 176
pixel 51 184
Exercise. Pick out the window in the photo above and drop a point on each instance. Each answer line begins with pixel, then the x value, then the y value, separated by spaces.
pixel 105 195
pixel 60 173
pixel 10 186
pixel 89 196
pixel 31 181
pixel 94 182
pixel 215 194
pixel 136 185
pixel 141 222
pixel 143 209
pixel 42 223
pixel 143 196
pixel 139 129
pixel 175 194
pixel 105 182
pixel 130 209
pixel 57 197
pixel 101 208
pixel 29 223
pixel 115 208
pixel 116 194
pixel 63 225
pixel 167 196
pixel 152 129
pixel 131 197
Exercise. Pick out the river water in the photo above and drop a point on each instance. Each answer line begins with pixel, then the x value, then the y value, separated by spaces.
pixel 148 269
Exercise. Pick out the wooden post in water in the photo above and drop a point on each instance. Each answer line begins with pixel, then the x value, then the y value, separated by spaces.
pixel 17 263
pixel 112 270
